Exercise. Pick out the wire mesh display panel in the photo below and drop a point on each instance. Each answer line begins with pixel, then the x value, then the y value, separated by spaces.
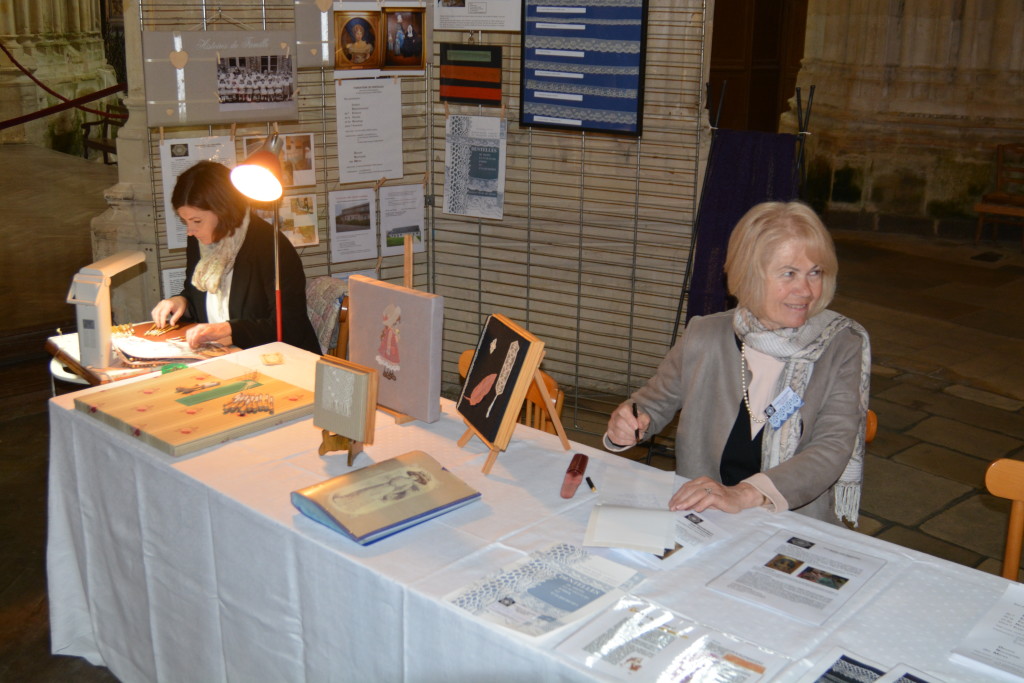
pixel 591 252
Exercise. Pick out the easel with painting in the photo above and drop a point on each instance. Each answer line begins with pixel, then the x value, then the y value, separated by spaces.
pixel 505 364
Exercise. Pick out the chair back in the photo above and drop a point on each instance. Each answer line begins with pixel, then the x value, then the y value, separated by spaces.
pixel 870 426
pixel 324 307
pixel 1005 479
pixel 533 415
pixel 1010 170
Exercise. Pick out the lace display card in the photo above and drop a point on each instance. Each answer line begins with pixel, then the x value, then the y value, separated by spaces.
pixel 583 65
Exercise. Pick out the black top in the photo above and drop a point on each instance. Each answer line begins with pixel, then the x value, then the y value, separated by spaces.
pixel 252 304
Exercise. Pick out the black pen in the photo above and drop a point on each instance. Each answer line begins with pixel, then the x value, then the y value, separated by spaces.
pixel 636 417
pixel 590 483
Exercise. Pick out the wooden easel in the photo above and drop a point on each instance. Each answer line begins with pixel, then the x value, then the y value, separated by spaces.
pixel 337 442
pixel 492 456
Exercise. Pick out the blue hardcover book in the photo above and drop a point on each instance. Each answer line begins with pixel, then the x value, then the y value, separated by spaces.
pixel 382 499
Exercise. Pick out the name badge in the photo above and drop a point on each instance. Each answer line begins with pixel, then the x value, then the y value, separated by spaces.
pixel 782 407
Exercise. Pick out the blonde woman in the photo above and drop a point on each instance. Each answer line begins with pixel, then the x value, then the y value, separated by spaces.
pixel 772 395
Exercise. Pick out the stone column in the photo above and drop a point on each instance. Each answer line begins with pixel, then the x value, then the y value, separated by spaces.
pixel 130 222
pixel 911 97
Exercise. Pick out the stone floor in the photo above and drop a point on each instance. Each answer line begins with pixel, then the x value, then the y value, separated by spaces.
pixel 947 384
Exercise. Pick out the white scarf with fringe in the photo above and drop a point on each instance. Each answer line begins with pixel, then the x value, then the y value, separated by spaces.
pixel 799 348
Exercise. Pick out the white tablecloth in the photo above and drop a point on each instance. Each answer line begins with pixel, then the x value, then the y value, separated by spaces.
pixel 199 568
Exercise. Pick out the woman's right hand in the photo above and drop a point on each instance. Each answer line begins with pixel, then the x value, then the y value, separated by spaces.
pixel 168 311
pixel 623 427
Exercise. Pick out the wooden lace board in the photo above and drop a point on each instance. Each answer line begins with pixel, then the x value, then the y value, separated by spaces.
pixel 149 410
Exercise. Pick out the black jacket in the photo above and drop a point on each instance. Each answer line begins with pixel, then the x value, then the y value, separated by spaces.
pixel 252 304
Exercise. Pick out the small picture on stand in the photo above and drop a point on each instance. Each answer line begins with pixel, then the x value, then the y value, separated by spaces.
pixel 504 364
pixel 345 399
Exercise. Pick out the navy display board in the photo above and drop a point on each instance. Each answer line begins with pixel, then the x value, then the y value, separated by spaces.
pixel 583 65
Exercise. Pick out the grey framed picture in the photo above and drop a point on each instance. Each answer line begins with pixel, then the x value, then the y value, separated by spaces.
pixel 397 331
pixel 219 76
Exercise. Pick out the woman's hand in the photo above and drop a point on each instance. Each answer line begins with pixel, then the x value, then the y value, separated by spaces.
pixel 168 311
pixel 623 428
pixel 208 332
pixel 703 493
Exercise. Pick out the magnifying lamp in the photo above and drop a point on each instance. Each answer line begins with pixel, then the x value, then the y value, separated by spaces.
pixel 259 179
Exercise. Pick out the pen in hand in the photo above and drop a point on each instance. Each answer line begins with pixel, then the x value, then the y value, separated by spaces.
pixel 636 416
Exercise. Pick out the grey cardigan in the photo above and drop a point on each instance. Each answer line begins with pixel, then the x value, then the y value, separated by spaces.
pixel 700 378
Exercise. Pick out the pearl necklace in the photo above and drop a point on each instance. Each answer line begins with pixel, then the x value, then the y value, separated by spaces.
pixel 743 383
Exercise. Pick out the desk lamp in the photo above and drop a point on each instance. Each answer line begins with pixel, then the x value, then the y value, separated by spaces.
pixel 259 179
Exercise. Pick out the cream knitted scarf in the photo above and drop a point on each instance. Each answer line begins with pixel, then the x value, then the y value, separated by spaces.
pixel 799 348
pixel 218 258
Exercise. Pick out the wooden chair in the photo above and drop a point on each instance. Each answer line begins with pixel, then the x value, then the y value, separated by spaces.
pixel 870 426
pixel 1006 203
pixel 533 415
pixel 107 140
pixel 1005 479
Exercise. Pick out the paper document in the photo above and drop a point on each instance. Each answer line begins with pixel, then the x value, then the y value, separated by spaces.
pixel 547 590
pixel 799 576
pixel 996 643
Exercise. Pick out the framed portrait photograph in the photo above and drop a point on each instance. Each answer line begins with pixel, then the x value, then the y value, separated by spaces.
pixel 405 47
pixel 357 43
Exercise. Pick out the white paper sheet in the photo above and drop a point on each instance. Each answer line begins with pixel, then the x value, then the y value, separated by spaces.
pixel 352 224
pixel 369 129
pixel 401 213
pixel 996 643
pixel 477 15
pixel 802 577
pixel 178 155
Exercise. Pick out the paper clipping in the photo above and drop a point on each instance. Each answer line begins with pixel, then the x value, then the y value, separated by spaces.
pixel 477 15
pixel 996 643
pixel 177 156
pixel 798 576
pixel 474 160
pixel 298 219
pixel 401 214
pixel 638 640
pixel 547 590
pixel 352 224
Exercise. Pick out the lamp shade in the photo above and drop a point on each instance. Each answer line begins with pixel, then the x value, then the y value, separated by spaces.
pixel 259 176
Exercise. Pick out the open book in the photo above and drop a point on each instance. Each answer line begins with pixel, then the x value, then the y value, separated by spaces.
pixel 382 499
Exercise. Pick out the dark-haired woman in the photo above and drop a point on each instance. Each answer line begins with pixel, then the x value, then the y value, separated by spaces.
pixel 229 269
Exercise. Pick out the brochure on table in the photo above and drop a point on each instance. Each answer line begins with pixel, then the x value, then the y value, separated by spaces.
pixel 799 576
pixel 547 590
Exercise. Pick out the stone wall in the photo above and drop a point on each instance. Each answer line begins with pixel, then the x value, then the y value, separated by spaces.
pixel 60 43
pixel 911 98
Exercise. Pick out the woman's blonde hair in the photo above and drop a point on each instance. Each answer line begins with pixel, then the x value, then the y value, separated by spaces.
pixel 760 234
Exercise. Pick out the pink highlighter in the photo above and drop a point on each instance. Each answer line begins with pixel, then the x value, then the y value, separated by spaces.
pixel 574 475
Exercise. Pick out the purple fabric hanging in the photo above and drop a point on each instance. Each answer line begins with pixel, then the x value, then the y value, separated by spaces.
pixel 744 168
